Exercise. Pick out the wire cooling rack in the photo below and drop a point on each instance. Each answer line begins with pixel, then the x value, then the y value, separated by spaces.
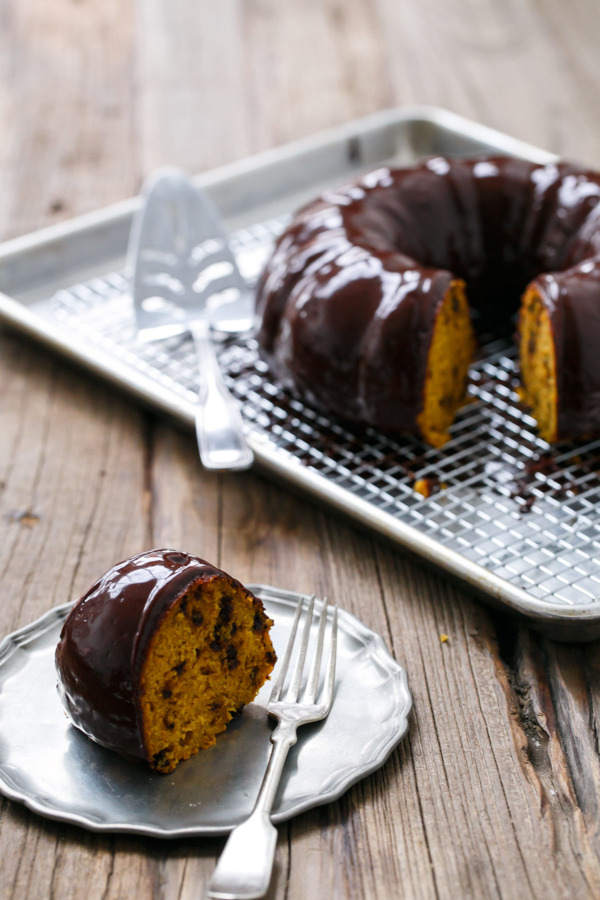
pixel 496 493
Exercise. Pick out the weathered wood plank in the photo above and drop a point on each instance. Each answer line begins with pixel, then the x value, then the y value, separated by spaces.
pixel 72 465
pixel 220 81
pixel 184 502
pixel 66 110
pixel 483 805
pixel 522 67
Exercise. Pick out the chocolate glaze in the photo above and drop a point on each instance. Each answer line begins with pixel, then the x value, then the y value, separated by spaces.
pixel 104 640
pixel 349 297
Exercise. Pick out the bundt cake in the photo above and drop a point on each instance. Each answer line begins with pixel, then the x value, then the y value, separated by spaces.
pixel 363 304
pixel 160 654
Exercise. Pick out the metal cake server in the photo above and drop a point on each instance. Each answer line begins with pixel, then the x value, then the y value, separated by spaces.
pixel 185 278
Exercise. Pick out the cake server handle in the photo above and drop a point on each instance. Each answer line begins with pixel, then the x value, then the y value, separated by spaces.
pixel 219 426
pixel 246 863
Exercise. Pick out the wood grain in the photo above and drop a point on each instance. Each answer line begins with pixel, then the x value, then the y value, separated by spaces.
pixel 496 791
pixel 66 109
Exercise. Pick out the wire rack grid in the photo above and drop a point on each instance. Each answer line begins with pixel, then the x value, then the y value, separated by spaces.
pixel 496 493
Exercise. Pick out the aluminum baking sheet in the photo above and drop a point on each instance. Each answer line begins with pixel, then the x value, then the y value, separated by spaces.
pixel 513 518
pixel 56 771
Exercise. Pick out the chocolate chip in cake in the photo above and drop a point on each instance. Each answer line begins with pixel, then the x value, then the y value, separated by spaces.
pixel 232 658
pixel 160 759
pixel 226 609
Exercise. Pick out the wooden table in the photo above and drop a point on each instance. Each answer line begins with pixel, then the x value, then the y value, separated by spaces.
pixel 496 790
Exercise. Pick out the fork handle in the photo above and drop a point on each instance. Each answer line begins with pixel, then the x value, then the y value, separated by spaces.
pixel 245 866
pixel 246 863
pixel 219 427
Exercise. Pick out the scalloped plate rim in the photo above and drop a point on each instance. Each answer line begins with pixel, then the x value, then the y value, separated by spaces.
pixel 392 733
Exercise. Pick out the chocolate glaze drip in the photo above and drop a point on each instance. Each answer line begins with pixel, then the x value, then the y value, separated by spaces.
pixel 349 297
pixel 104 640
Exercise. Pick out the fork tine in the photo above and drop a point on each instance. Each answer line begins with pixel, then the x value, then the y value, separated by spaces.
pixel 285 662
pixel 330 680
pixel 294 688
pixel 310 695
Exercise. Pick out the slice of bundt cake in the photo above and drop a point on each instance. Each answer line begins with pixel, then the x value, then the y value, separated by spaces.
pixel 160 654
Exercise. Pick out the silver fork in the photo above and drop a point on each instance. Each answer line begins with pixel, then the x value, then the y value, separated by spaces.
pixel 245 866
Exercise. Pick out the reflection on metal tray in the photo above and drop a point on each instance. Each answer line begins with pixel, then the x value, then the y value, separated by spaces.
pixel 514 519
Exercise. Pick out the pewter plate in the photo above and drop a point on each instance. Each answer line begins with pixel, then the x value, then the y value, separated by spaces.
pixel 54 770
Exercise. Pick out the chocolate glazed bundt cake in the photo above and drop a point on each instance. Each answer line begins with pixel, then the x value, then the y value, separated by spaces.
pixel 160 654
pixel 363 304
